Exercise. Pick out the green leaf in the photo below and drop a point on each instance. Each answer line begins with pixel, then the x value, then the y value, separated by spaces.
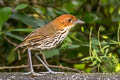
pixel 106 51
pixel 41 10
pixel 82 29
pixel 117 68
pixel 95 42
pixel 5 13
pixel 66 43
pixel 98 59
pixel 73 46
pixel 95 62
pixel 21 30
pixel 28 20
pixel 80 55
pixel 1 33
pixel 51 53
pixel 51 12
pixel 79 66
pixel 90 18
pixel 88 58
pixel 88 70
pixel 68 39
pixel 113 42
pixel 21 6
pixel 105 47
pixel 11 57
pixel 14 36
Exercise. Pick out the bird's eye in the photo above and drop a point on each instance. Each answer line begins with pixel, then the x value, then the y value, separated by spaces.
pixel 70 20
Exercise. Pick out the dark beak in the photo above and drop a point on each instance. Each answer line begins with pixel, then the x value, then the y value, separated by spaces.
pixel 80 22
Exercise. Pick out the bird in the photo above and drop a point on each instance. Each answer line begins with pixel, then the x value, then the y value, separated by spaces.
pixel 47 37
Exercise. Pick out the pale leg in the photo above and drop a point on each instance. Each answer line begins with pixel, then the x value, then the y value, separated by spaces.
pixel 49 70
pixel 30 64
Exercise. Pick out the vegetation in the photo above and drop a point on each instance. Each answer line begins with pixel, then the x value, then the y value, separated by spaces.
pixel 93 47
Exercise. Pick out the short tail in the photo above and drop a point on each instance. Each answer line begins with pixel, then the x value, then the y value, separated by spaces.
pixel 22 45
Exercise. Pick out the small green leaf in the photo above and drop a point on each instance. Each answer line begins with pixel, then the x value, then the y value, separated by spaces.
pixel 69 7
pixel 11 57
pixel 88 70
pixel 79 66
pixel 90 18
pixel 21 30
pixel 87 58
pixel 28 20
pixel 95 62
pixel 117 68
pixel 113 42
pixel 73 46
pixel 105 37
pixel 41 10
pixel 82 29
pixel 1 33
pixel 64 45
pixel 51 53
pixel 14 36
pixel 111 9
pixel 21 6
pixel 95 42
pixel 5 13
pixel 105 47
pixel 119 11
pixel 98 59
pixel 80 55
pixel 67 39
pixel 106 51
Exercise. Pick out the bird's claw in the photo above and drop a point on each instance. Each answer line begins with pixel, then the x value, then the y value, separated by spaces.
pixel 52 72
pixel 33 74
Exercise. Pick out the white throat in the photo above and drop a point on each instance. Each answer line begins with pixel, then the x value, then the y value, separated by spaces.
pixel 69 27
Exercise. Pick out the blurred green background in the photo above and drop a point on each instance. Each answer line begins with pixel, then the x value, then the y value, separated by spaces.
pixel 93 47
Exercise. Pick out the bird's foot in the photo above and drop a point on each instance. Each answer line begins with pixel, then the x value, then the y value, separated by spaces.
pixel 33 74
pixel 52 72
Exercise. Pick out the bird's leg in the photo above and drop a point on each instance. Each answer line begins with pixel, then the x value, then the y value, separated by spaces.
pixel 49 70
pixel 44 58
pixel 30 64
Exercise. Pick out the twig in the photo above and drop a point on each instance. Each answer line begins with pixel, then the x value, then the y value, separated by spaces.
pixel 40 65
pixel 118 33
pixel 60 67
pixel 102 51
pixel 17 67
pixel 19 56
pixel 9 41
pixel 14 44
pixel 1 3
pixel 90 44
pixel 99 6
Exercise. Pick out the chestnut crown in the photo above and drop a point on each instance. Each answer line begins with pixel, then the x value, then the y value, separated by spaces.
pixel 66 20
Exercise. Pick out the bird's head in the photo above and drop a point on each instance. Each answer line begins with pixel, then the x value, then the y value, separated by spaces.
pixel 66 21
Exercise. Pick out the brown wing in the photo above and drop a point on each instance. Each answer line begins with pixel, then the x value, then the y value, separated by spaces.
pixel 38 34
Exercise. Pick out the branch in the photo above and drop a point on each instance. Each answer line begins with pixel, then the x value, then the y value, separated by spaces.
pixel 99 6
pixel 60 67
pixel 40 65
pixel 14 44
pixel 17 67
pixel 9 41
